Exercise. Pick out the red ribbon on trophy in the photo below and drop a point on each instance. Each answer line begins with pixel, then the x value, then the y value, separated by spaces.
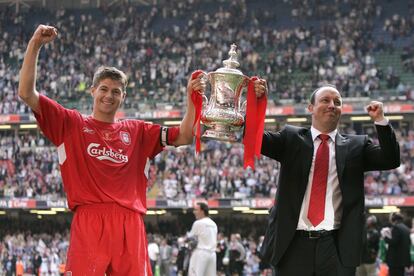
pixel 197 100
pixel 254 125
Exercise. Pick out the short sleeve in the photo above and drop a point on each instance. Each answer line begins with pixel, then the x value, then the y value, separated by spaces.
pixel 152 139
pixel 54 120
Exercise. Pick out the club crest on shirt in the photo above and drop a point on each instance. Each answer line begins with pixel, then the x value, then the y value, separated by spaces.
pixel 106 135
pixel 125 138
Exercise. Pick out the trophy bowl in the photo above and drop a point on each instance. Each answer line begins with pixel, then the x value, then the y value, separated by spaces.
pixel 223 114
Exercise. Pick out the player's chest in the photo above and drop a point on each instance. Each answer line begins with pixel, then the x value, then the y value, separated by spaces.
pixel 118 135
pixel 115 145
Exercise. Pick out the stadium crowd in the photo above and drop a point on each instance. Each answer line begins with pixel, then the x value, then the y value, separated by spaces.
pixel 294 46
pixel 42 249
pixel 29 168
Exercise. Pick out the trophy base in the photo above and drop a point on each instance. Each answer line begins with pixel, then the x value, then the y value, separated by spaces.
pixel 221 133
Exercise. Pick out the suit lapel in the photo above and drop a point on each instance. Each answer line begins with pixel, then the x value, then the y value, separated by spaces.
pixel 307 153
pixel 341 149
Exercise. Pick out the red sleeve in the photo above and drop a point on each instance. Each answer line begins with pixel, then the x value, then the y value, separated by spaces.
pixel 151 141
pixel 53 119
pixel 169 135
pixel 173 133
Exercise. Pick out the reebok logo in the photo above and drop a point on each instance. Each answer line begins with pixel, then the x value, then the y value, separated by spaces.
pixel 102 153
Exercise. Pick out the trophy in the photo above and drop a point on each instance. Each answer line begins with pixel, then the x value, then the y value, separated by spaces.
pixel 222 114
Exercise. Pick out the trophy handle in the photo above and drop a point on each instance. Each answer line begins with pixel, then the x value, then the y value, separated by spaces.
pixel 205 78
pixel 243 107
pixel 205 101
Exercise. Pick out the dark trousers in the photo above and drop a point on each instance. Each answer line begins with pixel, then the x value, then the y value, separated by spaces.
pixel 312 257
pixel 396 271
pixel 153 263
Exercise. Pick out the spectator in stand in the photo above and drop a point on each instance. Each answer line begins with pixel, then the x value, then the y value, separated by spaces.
pixel 153 251
pixel 237 255
pixel 183 257
pixel 19 266
pixel 264 267
pixel 37 262
pixel 370 248
pixel 221 252
pixel 9 265
pixel 165 258
pixel 252 260
pixel 399 244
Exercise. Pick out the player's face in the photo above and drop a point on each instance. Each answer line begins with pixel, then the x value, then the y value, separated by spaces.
pixel 197 212
pixel 108 96
pixel 326 110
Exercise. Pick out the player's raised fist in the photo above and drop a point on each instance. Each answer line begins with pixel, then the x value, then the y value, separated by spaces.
pixel 44 34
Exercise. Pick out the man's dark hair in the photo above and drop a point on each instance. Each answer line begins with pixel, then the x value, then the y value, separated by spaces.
pixel 372 220
pixel 105 72
pixel 313 95
pixel 396 217
pixel 203 207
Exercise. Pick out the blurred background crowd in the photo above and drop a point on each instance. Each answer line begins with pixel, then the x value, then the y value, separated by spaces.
pixel 29 168
pixel 39 247
pixel 363 47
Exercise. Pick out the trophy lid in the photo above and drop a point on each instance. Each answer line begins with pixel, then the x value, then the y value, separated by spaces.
pixel 231 64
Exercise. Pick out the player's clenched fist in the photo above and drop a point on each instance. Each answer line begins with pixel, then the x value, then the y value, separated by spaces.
pixel 44 34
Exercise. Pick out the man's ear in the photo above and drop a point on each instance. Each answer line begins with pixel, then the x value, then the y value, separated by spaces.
pixel 310 108
pixel 123 98
pixel 92 90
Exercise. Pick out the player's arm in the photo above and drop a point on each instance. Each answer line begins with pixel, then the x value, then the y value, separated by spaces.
pixel 185 135
pixel 27 83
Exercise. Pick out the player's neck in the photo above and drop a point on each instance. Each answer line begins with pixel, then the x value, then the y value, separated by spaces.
pixel 106 118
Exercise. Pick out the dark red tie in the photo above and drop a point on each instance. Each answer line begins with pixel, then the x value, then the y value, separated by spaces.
pixel 316 211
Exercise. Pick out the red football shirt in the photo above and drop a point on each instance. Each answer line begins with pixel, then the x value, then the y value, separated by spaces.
pixel 100 162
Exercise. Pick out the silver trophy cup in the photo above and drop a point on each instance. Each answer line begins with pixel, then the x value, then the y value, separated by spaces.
pixel 223 114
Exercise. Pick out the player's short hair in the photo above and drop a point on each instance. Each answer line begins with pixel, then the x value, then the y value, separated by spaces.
pixel 106 72
pixel 313 95
pixel 203 207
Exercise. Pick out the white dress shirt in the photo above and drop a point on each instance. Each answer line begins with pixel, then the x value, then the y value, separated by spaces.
pixel 333 200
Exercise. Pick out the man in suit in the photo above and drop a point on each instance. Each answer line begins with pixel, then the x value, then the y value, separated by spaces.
pixel 370 248
pixel 399 243
pixel 165 258
pixel 316 225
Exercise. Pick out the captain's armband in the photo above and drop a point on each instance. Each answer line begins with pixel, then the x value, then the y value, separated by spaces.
pixel 169 135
